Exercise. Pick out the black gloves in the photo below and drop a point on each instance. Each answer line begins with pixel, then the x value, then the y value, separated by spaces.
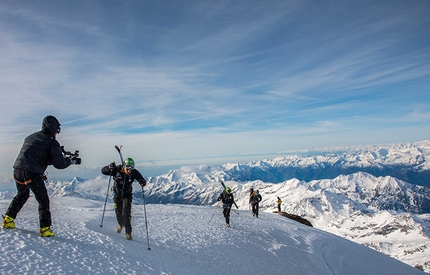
pixel 142 182
pixel 112 166
pixel 75 160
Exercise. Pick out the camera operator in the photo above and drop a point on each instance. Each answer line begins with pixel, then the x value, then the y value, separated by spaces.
pixel 39 150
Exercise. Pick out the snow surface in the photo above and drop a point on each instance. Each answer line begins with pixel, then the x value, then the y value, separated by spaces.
pixel 184 239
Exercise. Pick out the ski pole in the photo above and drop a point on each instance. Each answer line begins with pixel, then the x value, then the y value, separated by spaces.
pixel 216 206
pixel 146 220
pixel 234 211
pixel 107 193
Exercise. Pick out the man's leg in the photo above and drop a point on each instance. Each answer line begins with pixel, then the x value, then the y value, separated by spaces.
pixel 118 204
pixel 38 188
pixel 127 214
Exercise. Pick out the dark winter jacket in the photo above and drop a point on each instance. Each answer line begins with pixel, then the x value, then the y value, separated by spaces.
pixel 41 149
pixel 123 183
pixel 226 198
pixel 255 198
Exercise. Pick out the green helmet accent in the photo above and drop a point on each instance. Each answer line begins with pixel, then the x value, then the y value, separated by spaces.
pixel 228 189
pixel 129 162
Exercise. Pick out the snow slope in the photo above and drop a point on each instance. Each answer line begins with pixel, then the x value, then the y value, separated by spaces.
pixel 382 213
pixel 183 240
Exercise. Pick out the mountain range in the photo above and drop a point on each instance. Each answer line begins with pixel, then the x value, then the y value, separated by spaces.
pixel 383 212
pixel 406 161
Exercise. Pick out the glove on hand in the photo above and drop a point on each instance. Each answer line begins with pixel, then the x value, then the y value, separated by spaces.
pixel 142 182
pixel 112 166
pixel 75 160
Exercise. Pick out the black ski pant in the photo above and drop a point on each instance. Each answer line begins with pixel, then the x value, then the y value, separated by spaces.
pixel 226 212
pixel 255 209
pixel 123 212
pixel 37 186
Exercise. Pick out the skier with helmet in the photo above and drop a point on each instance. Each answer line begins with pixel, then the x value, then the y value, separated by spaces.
pixel 124 175
pixel 228 200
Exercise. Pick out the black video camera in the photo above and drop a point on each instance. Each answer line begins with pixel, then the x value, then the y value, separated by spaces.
pixel 68 154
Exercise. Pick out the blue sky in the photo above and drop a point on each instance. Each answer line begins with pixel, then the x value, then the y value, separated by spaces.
pixel 173 80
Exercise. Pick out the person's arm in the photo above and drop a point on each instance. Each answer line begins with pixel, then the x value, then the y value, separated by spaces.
pixel 57 158
pixel 110 169
pixel 140 179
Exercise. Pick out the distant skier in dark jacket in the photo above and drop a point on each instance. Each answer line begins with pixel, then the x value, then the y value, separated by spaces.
pixel 124 175
pixel 254 200
pixel 228 200
pixel 39 150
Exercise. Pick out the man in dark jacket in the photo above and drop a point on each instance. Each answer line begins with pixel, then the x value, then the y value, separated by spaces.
pixel 39 150
pixel 124 175
pixel 254 200
pixel 228 200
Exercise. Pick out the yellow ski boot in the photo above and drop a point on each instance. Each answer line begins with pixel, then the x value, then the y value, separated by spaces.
pixel 8 222
pixel 46 232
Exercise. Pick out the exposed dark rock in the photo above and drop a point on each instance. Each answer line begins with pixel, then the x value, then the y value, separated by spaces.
pixel 296 218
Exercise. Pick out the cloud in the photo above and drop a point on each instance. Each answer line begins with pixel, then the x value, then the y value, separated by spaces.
pixel 420 114
pixel 213 78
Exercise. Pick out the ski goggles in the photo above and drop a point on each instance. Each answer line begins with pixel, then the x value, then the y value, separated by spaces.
pixel 129 167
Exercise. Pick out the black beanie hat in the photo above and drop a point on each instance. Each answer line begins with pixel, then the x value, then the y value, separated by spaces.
pixel 51 125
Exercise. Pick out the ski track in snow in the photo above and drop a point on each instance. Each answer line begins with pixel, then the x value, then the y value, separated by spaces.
pixel 183 240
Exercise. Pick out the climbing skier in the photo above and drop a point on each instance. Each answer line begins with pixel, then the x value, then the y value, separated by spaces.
pixel 124 175
pixel 254 200
pixel 228 200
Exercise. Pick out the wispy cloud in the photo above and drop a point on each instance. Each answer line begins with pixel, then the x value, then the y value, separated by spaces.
pixel 203 78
